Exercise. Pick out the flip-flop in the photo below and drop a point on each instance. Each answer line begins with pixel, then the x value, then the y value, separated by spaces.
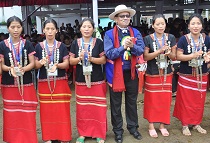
pixel 80 140
pixel 153 133
pixel 99 139
pixel 200 129
pixel 164 132
pixel 186 131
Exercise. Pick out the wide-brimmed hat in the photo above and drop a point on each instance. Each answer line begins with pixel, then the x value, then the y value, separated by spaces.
pixel 122 8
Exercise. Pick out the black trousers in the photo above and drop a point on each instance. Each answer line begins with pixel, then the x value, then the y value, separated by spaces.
pixel 131 94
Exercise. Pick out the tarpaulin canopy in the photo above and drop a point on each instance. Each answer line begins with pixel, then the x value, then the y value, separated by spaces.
pixel 7 3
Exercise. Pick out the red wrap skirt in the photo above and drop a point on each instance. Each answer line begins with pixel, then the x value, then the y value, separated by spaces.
pixel 19 114
pixel 91 110
pixel 55 111
pixel 190 99
pixel 157 98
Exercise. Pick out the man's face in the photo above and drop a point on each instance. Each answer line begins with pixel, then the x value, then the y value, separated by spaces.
pixel 123 19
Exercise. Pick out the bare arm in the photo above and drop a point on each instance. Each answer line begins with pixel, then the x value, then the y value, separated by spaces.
pixel 74 61
pixel 183 57
pixel 64 64
pixel 4 67
pixel 38 64
pixel 100 60
pixel 149 56
pixel 172 53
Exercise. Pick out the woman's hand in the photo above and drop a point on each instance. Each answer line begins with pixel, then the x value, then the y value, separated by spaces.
pixel 90 58
pixel 165 49
pixel 22 70
pixel 197 54
pixel 12 70
pixel 53 69
pixel 82 54
pixel 207 57
pixel 43 61
pixel 168 51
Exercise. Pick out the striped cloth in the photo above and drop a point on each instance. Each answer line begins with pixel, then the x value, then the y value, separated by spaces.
pixel 157 98
pixel 190 100
pixel 55 111
pixel 91 110
pixel 19 116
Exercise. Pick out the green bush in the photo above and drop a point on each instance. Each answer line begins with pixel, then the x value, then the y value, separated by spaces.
pixel 3 23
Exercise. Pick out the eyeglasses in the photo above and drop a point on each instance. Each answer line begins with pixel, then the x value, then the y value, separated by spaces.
pixel 123 16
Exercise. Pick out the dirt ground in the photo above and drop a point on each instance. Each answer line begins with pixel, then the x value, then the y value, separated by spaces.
pixel 174 129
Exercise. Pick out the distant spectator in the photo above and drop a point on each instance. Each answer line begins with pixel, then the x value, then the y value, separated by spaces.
pixel 67 41
pixel 70 30
pixel 27 37
pixel 175 29
pixel 2 36
pixel 100 29
pixel 62 27
pixel 76 28
pixel 33 29
pixel 109 26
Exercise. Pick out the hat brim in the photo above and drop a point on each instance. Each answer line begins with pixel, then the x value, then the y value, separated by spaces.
pixel 131 11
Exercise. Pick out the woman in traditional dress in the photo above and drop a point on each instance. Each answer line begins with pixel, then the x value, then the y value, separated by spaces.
pixel 52 60
pixel 19 95
pixel 193 52
pixel 87 53
pixel 160 47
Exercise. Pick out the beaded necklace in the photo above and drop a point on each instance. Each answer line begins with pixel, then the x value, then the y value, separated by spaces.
pixel 15 58
pixel 161 59
pixel 53 59
pixel 87 66
pixel 196 63
pixel 81 44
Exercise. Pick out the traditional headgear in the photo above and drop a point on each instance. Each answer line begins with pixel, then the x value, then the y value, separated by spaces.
pixel 122 8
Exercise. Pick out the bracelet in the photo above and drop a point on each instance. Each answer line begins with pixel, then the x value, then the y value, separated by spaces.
pixel 9 69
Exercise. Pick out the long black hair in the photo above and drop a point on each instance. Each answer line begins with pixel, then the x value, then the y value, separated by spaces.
pixel 88 19
pixel 198 16
pixel 157 16
pixel 14 18
pixel 50 21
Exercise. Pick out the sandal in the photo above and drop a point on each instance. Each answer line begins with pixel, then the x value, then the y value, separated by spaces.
pixel 164 132
pixel 153 133
pixel 100 140
pixel 186 131
pixel 80 140
pixel 200 129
